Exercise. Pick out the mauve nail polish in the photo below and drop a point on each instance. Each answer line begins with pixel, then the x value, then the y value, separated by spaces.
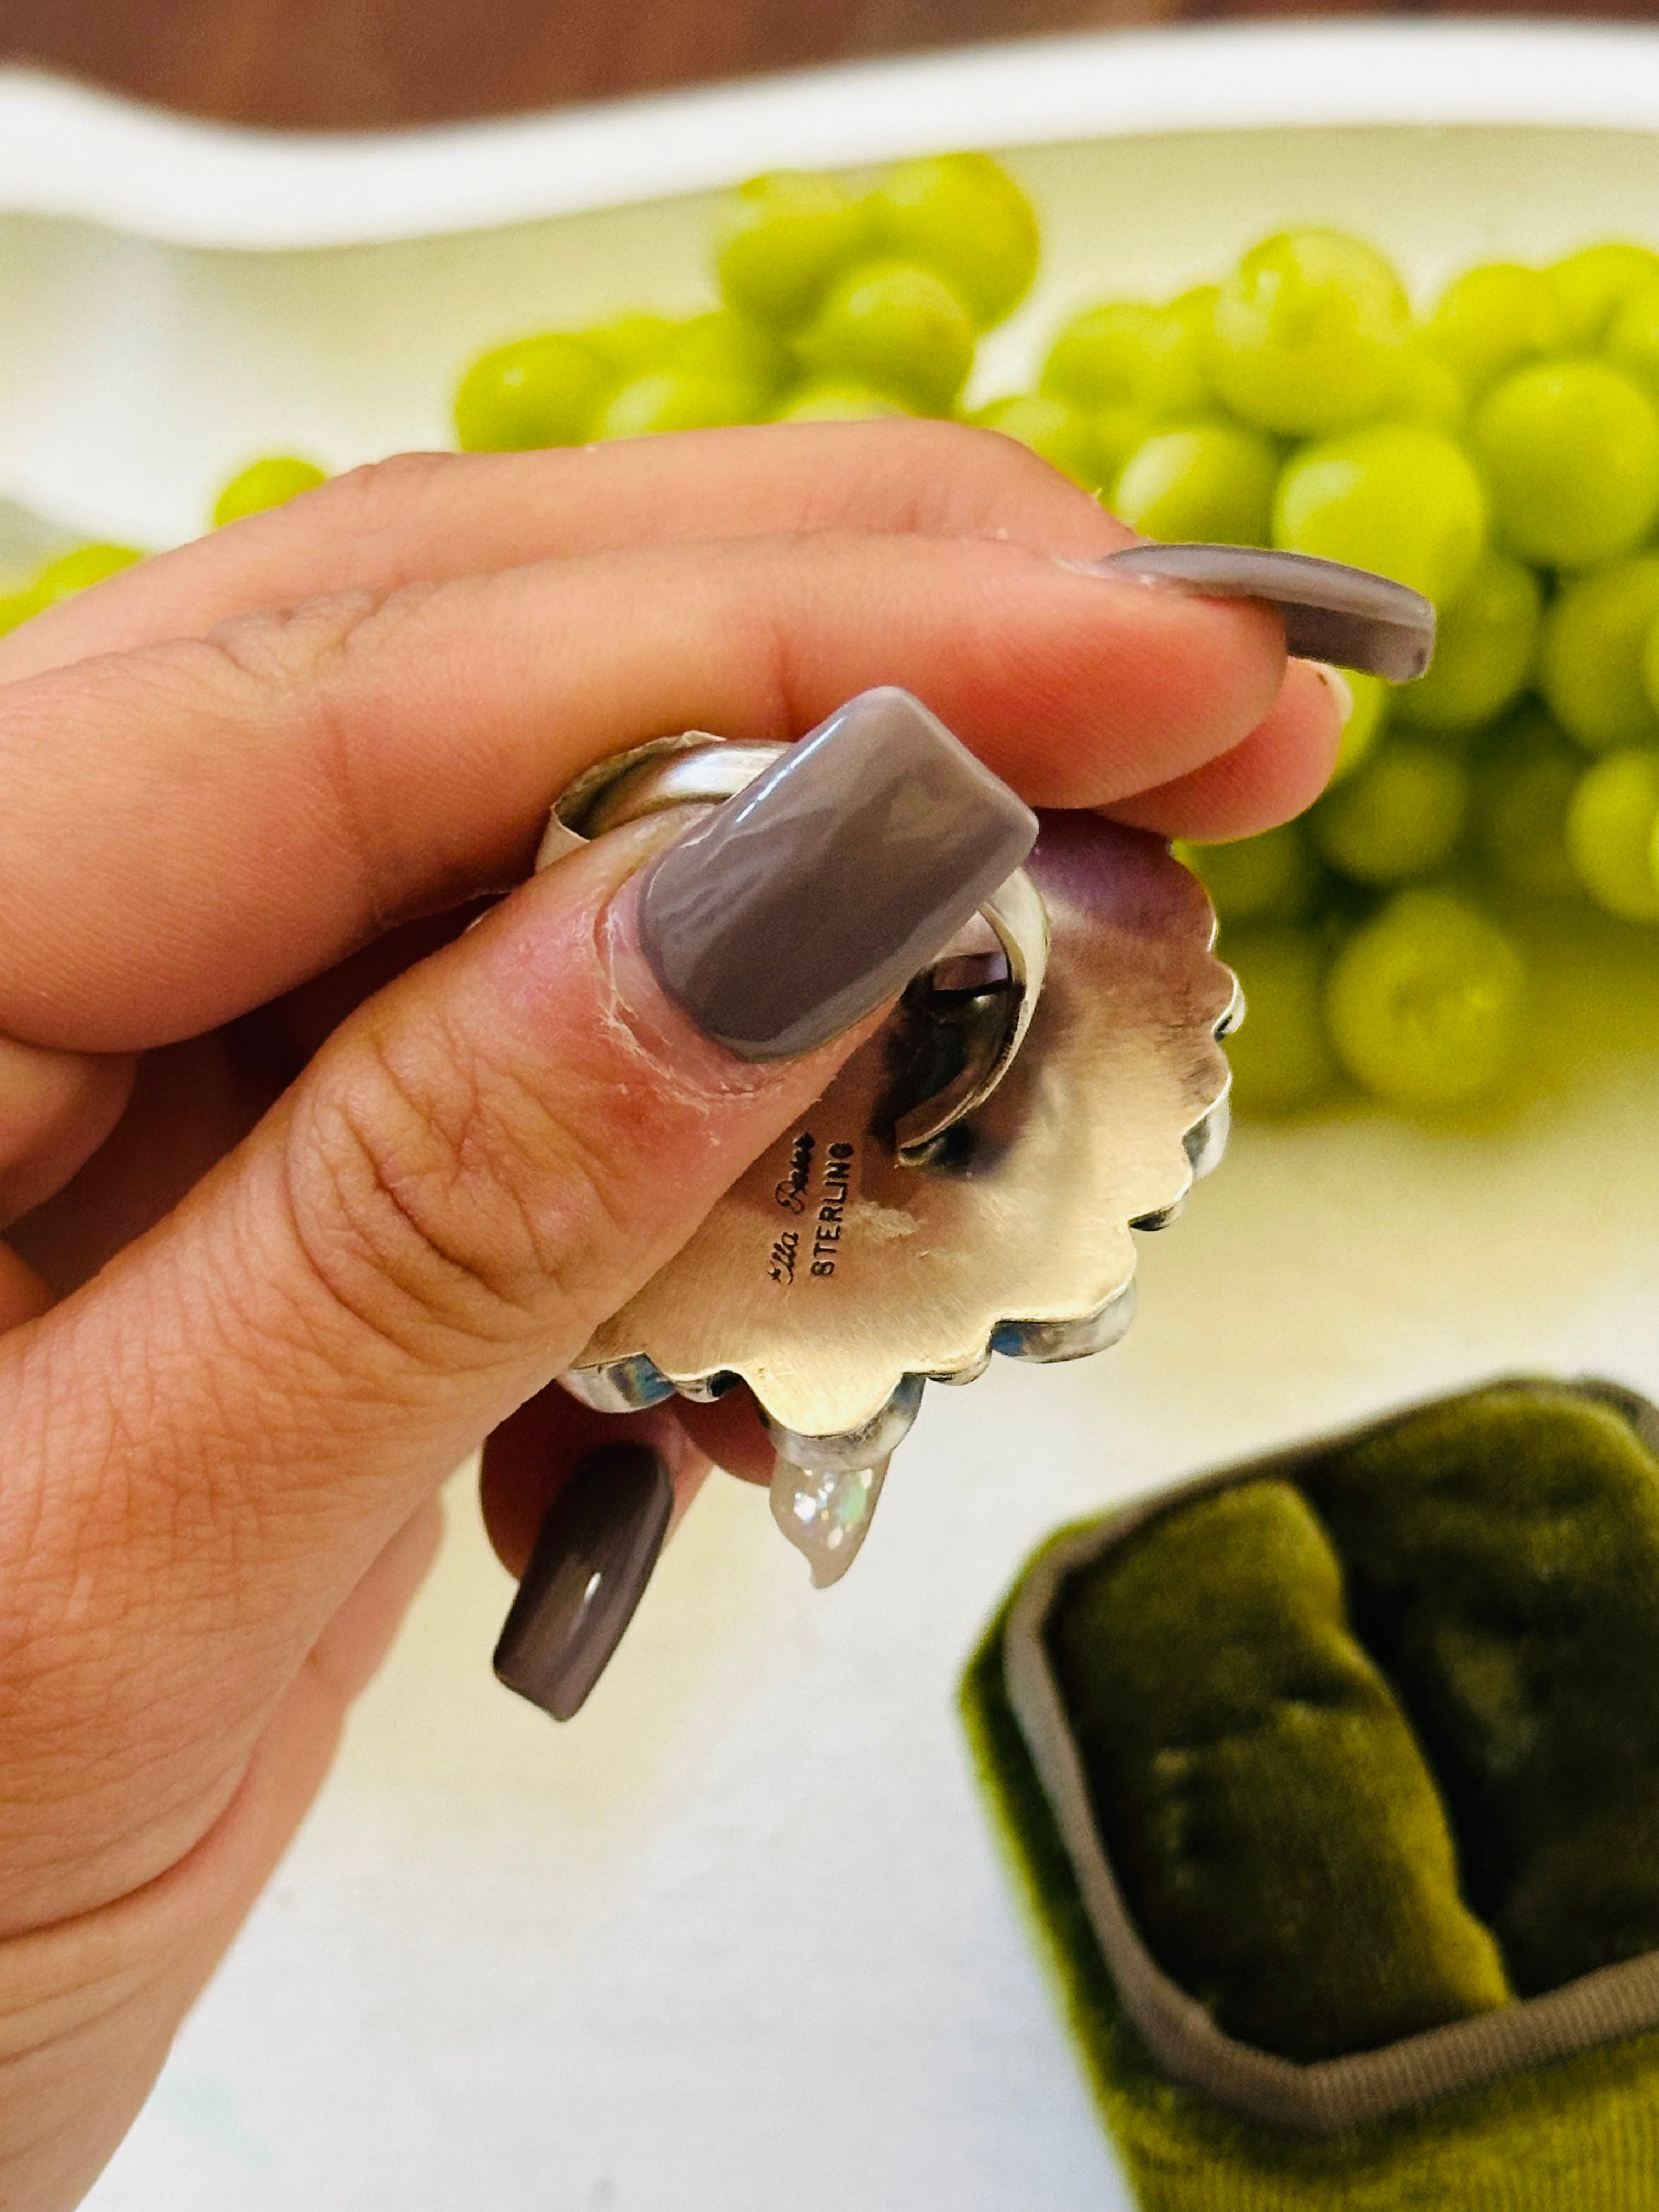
pixel 1331 611
pixel 832 880
pixel 592 1560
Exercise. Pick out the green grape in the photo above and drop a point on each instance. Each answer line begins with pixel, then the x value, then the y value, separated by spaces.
pixel 1214 481
pixel 1373 706
pixel 1310 334
pixel 1425 1003
pixel 1195 309
pixel 1482 654
pixel 1399 815
pixel 1130 354
pixel 896 328
pixel 824 401
pixel 1395 497
pixel 537 392
pixel 1117 430
pixel 19 602
pixel 1613 834
pixel 1632 342
pixel 1063 435
pixel 61 579
pixel 728 348
pixel 1593 285
pixel 1589 656
pixel 630 344
pixel 667 399
pixel 1272 878
pixel 1571 454
pixel 1522 790
pixel 78 571
pixel 1490 319
pixel 1185 387
pixel 783 239
pixel 967 220
pixel 1281 1059
pixel 1429 392
pixel 266 484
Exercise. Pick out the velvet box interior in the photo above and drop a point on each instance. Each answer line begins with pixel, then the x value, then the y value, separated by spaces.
pixel 1332 1781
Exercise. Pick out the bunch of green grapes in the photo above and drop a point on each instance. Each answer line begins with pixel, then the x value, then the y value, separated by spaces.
pixel 1500 452
pixel 835 303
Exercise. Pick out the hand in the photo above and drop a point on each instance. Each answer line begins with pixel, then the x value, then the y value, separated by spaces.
pixel 307 1191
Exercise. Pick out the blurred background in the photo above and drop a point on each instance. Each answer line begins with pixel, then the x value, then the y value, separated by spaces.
pixel 356 65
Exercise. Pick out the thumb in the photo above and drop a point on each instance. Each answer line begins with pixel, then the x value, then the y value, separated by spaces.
pixel 215 1439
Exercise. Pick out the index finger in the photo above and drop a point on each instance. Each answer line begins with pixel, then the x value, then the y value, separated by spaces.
pixel 428 517
pixel 187 830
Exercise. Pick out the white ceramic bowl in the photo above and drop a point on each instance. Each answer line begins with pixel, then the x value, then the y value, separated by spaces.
pixel 737 1939
pixel 176 297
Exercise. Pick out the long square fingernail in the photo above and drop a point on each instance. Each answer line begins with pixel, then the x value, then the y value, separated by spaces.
pixel 593 1556
pixel 1331 611
pixel 830 881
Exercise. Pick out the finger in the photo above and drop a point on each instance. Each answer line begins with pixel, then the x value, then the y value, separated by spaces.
pixel 1280 769
pixel 298 1023
pixel 56 1109
pixel 193 1103
pixel 353 1648
pixel 23 1292
pixel 530 1457
pixel 433 516
pixel 189 1105
pixel 289 788
pixel 728 1432
pixel 209 1443
pixel 594 1553
pixel 579 1511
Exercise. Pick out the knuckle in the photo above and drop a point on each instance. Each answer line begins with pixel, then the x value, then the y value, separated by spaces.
pixel 311 667
pixel 377 500
pixel 1009 472
pixel 296 650
pixel 440 1202
pixel 958 479
pixel 378 496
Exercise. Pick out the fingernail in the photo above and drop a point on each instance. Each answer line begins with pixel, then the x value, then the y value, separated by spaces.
pixel 593 1556
pixel 1331 611
pixel 1340 689
pixel 828 883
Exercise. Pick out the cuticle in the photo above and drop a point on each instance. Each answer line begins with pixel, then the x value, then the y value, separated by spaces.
pixel 655 1037
pixel 1099 570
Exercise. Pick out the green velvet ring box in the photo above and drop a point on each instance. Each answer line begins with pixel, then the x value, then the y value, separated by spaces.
pixel 1333 1783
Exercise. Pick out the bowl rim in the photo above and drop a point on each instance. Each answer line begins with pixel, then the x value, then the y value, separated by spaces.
pixel 68 149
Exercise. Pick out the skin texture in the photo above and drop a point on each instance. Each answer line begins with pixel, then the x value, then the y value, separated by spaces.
pixel 307 1191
